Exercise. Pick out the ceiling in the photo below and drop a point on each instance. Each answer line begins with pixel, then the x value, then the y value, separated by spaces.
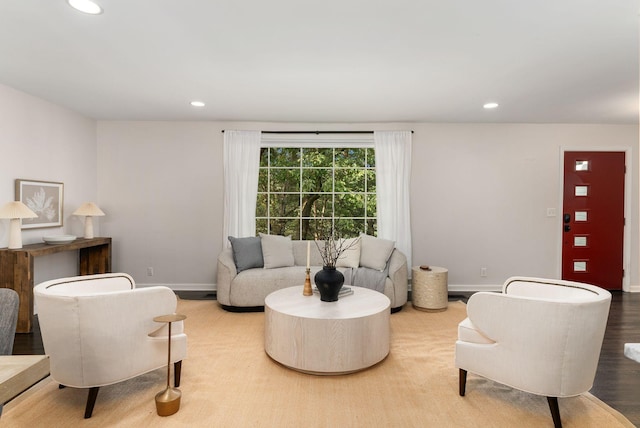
pixel 544 61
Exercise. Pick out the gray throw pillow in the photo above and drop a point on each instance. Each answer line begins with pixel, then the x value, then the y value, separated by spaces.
pixel 375 252
pixel 247 252
pixel 277 251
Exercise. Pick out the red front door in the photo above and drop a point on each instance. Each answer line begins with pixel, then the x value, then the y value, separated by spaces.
pixel 593 218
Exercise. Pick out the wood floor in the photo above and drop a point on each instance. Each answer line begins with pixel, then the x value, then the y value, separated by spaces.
pixel 617 381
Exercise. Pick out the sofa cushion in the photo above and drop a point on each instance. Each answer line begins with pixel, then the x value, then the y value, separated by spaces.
pixel 277 251
pixel 247 252
pixel 467 332
pixel 375 252
pixel 351 256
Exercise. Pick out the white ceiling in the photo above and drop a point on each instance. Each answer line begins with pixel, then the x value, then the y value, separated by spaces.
pixel 555 61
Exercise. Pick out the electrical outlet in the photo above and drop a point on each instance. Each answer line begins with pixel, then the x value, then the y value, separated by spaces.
pixel 149 271
pixel 483 272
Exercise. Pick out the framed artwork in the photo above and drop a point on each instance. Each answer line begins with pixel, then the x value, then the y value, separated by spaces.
pixel 45 198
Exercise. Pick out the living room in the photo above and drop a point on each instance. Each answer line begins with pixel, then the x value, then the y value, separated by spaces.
pixel 493 183
pixel 486 190
pixel 479 194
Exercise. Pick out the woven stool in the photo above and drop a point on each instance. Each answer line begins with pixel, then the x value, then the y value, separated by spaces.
pixel 429 289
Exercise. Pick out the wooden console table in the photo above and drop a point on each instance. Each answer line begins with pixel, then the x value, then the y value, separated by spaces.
pixel 16 269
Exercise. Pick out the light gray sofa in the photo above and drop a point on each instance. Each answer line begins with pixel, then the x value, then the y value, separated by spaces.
pixel 250 287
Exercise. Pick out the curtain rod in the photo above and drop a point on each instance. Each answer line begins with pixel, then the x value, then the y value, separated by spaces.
pixel 316 132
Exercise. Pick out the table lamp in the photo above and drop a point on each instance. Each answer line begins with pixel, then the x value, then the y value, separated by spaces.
pixel 16 211
pixel 89 210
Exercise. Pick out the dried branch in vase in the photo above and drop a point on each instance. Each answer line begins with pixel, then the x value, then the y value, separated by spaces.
pixel 333 246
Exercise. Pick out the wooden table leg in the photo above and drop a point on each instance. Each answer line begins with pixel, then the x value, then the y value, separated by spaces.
pixel 23 284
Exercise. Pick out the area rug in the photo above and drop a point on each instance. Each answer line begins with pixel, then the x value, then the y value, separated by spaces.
pixel 229 381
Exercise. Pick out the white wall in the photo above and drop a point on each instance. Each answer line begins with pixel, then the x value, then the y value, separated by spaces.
pixel 42 141
pixel 160 184
pixel 481 192
pixel 480 195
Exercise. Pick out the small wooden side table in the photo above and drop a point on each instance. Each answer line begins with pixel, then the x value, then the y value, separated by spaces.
pixel 429 289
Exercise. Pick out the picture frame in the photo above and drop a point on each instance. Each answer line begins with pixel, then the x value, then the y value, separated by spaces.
pixel 45 198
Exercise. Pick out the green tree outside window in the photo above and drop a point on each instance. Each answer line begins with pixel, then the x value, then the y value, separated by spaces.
pixel 300 189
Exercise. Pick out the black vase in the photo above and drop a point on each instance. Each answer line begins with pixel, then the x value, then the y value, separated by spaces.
pixel 329 282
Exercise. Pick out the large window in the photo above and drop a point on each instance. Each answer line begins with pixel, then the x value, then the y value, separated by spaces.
pixel 304 190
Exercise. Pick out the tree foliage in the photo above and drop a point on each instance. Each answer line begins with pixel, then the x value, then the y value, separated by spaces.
pixel 299 189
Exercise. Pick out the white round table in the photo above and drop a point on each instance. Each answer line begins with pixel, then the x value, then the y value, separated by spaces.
pixel 312 336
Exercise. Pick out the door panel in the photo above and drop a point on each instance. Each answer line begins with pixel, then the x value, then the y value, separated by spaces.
pixel 593 218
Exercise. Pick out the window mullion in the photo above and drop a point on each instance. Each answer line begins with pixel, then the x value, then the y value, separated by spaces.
pixel 326 163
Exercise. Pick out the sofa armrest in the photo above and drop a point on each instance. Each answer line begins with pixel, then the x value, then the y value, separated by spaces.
pixel 398 273
pixel 225 275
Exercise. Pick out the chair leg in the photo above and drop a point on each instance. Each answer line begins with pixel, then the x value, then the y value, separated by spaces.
pixel 463 382
pixel 91 401
pixel 555 411
pixel 177 372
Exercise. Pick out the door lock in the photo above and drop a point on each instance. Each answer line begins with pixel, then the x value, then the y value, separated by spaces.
pixel 567 228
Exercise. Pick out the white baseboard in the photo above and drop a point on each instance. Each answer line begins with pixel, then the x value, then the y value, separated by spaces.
pixel 182 287
pixel 461 288
pixel 488 287
pixel 453 288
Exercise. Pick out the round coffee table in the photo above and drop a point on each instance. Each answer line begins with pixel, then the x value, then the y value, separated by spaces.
pixel 328 338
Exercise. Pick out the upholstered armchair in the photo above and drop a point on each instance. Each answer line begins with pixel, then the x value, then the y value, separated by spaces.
pixel 540 336
pixel 8 319
pixel 99 330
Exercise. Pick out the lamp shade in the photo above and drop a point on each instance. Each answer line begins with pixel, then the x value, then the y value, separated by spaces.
pixel 88 208
pixel 16 209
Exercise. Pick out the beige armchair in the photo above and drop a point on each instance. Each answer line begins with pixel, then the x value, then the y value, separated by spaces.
pixel 540 336
pixel 99 330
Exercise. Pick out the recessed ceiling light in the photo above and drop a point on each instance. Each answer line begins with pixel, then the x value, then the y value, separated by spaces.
pixel 86 6
pixel 490 105
pixel 197 103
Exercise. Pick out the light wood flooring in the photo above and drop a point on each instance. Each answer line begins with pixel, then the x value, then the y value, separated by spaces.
pixel 617 381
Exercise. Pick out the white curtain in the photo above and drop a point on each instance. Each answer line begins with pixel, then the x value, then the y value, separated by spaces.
pixel 241 163
pixel 393 176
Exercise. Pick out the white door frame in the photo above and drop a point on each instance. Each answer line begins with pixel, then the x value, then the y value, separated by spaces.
pixel 626 247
